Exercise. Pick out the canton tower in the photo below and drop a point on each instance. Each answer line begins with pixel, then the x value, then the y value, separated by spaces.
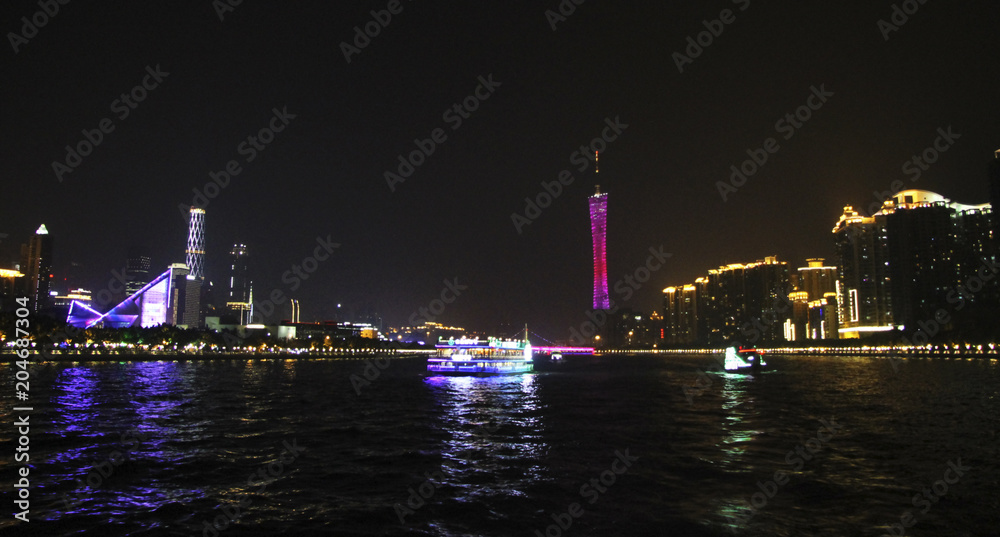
pixel 598 228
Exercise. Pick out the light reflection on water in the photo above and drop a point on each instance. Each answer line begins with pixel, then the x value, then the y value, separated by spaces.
pixel 510 451
pixel 496 429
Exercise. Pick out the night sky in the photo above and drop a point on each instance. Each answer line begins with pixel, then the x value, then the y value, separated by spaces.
pixel 323 175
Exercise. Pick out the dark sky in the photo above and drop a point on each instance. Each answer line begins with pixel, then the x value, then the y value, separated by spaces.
pixel 323 174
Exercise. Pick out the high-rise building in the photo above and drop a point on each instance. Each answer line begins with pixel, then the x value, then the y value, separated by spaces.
pixel 36 264
pixel 598 230
pixel 823 318
pixel 195 258
pixel 934 245
pixel 898 267
pixel 797 323
pixel 816 279
pixel 137 266
pixel 240 293
pixel 737 302
pixel 680 315
pixel 863 292
pixel 994 171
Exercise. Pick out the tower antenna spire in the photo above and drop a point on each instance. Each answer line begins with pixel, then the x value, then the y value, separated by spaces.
pixel 597 170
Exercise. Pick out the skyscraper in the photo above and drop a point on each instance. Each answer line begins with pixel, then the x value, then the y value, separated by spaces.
pixel 36 264
pixel 680 315
pixel 900 266
pixel 137 266
pixel 816 279
pixel 598 229
pixel 935 245
pixel 995 191
pixel 736 302
pixel 863 293
pixel 239 297
pixel 196 244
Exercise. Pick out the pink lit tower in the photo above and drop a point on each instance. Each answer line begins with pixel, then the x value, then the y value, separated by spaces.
pixel 598 228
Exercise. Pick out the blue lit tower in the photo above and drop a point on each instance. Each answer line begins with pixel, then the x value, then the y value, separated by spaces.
pixel 598 229
pixel 196 244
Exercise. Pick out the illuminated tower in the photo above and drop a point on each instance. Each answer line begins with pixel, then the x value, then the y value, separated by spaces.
pixel 598 228
pixel 196 244
pixel 240 287
pixel 36 264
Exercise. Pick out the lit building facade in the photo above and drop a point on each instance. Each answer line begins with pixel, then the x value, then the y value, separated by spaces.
pixel 171 298
pixel 816 279
pixel 239 301
pixel 36 265
pixel 824 322
pixel 137 268
pixel 994 174
pixel 195 252
pixel 680 315
pixel 908 261
pixel 737 302
pixel 863 294
pixel 934 245
pixel 9 287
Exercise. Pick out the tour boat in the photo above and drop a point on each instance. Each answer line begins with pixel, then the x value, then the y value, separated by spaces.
pixel 744 360
pixel 481 357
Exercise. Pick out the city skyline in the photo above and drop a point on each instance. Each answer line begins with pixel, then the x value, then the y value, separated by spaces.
pixel 280 161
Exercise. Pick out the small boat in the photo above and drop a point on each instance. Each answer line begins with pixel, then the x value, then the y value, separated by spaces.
pixel 478 357
pixel 743 360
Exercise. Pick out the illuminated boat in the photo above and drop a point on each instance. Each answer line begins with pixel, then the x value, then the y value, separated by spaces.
pixel 478 357
pixel 742 360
